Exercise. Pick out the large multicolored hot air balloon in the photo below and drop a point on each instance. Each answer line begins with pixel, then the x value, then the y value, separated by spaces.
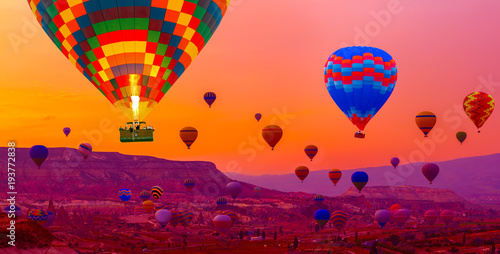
pixel 185 217
pixel 322 216
pixel 430 171
pixel 131 51
pixel 189 184
pixel 335 175
pixel 425 121
pixel 359 179
pixel 188 136
pixel 163 217
pixel 156 192
pixel 382 217
pixel 461 136
pixel 400 217
pixel 272 135
pixel 339 219
pixel 38 154
pixel 447 216
pixel 319 198
pixel 258 116
pixel 39 215
pixel 395 162
pixel 234 189
pixel 221 201
pixel 144 195
pixel 85 149
pixel 231 215
pixel 431 216
pixel 148 206
pixel 209 98
pixel 302 172
pixel 124 195
pixel 360 80
pixel 66 131
pixel 311 151
pixel 479 106
pixel 222 223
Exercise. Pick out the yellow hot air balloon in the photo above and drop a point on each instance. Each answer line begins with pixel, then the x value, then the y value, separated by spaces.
pixel 425 120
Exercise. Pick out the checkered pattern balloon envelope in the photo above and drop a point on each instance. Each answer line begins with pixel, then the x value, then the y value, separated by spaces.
pixel 132 51
pixel 360 80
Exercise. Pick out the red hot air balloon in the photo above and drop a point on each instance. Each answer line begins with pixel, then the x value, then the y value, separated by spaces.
pixel 311 151
pixel 430 171
pixel 479 106
pixel 335 175
pixel 222 223
pixel 395 207
pixel 400 217
pixel 431 216
pixel 302 172
pixel 272 135
pixel 447 216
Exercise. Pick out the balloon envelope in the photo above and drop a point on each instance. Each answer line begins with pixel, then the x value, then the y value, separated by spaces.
pixel 360 80
pixel 144 195
pixel 425 121
pixel 430 171
pixel 50 219
pixel 188 135
pixel 156 192
pixel 461 136
pixel 479 107
pixel 234 189
pixel 431 216
pixel 38 154
pixel 125 195
pixel 185 217
pixel 322 216
pixel 359 179
pixel 222 223
pixel 148 206
pixel 133 52
pixel 272 135
pixel 319 198
pixel 189 184
pixel 395 207
pixel 395 162
pixel 85 149
pixel 209 98
pixel 17 210
pixel 163 217
pixel 66 131
pixel 339 219
pixel 311 151
pixel 400 216
pixel 231 215
pixel 221 201
pixel 446 216
pixel 382 217
pixel 39 215
pixel 302 172
pixel 258 116
pixel 335 175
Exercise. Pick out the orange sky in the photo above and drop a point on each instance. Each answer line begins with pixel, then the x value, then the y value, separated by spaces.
pixel 268 56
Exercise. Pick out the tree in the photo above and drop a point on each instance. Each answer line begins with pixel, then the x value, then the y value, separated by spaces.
pixel 295 243
pixel 356 237
pixel 263 234
pixel 275 235
pixel 241 234
pixel 394 239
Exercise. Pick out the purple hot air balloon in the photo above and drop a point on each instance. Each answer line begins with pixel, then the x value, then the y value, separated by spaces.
pixel 258 116
pixel 395 162
pixel 66 131
pixel 382 217
pixel 38 154
pixel 234 189
pixel 430 171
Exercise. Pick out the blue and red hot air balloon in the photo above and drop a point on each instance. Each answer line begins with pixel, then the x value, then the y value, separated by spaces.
pixel 209 98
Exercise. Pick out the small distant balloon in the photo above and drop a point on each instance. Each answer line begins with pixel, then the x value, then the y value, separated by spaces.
pixel 311 151
pixel 272 135
pixel 163 217
pixel 382 217
pixel 479 107
pixel 395 162
pixel 257 190
pixel 446 216
pixel 302 172
pixel 431 216
pixel 400 217
pixel 319 198
pixel 425 121
pixel 66 131
pixel 209 98
pixel 156 192
pixel 221 201
pixel 38 215
pixel 234 189
pixel 430 171
pixel 38 154
pixel 148 206
pixel 461 136
pixel 188 136
pixel 189 184
pixel 322 216
pixel 85 149
pixel 124 195
pixel 258 116
pixel 222 223
pixel 359 179
pixel 335 175
pixel 144 195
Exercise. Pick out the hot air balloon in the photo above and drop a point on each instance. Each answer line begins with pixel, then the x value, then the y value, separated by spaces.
pixel 50 219
pixel 301 172
pixel 339 219
pixel 257 190
pixel 311 151
pixel 234 189
pixel 175 219
pixel 15 209
pixel 66 131
pixel 189 184
pixel 322 216
pixel 144 195
pixel 425 121
pixel 156 192
pixel 124 195
pixel 188 136
pixel 133 52
pixel 138 210
pixel 258 116
pixel 335 175
pixel 185 217
pixel 431 216
pixel 319 198
pixel 479 106
pixel 222 223
pixel 231 215
pixel 430 171
pixel 148 206
pixel 38 215
pixel 382 217
pixel 209 98
pixel 221 201
pixel 38 154
pixel 461 136
pixel 272 135
pixel 400 217
pixel 85 149
pixel 163 217
pixel 360 80
pixel 159 207
pixel 395 207
pixel 446 216
pixel 359 179
pixel 395 162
